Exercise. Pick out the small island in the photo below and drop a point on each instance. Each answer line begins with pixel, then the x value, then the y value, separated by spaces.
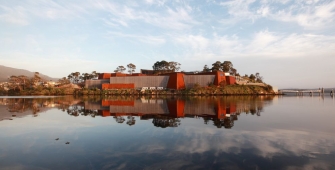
pixel 164 79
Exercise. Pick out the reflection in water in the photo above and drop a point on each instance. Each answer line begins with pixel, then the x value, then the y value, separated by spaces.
pixel 221 111
pixel 120 133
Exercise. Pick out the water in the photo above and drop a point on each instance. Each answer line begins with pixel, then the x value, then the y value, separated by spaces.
pixel 236 132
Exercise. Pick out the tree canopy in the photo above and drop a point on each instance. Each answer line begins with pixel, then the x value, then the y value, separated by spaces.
pixel 226 66
pixel 165 67
pixel 120 69
pixel 131 68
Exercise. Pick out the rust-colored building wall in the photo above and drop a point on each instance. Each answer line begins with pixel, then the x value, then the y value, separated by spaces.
pixel 117 103
pixel 176 108
pixel 104 75
pixel 176 81
pixel 118 86
pixel 90 84
pixel 219 77
pixel 119 75
pixel 136 74
pixel 230 80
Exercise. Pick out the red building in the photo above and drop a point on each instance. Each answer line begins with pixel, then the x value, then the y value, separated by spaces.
pixel 175 80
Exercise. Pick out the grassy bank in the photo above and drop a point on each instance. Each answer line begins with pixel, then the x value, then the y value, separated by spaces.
pixel 213 90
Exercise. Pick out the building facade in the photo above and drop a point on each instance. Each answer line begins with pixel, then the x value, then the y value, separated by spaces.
pixel 175 80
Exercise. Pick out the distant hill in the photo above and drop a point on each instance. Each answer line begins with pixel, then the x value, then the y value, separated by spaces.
pixel 6 72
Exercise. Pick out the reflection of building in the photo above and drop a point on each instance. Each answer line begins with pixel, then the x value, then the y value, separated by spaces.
pixel 171 108
pixel 165 113
pixel 174 80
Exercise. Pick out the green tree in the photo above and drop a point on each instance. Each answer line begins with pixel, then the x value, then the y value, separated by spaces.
pixel 63 81
pixel 165 67
pixel 36 79
pixel 216 66
pixel 252 77
pixel 174 66
pixel 259 79
pixel 85 76
pixel 24 81
pixel 120 69
pixel 94 75
pixel 227 66
pixel 206 69
pixel 74 77
pixel 14 83
pixel 131 68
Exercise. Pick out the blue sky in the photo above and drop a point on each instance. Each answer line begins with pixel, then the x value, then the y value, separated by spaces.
pixel 291 43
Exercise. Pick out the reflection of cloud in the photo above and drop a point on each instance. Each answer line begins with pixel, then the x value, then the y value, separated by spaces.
pixel 268 143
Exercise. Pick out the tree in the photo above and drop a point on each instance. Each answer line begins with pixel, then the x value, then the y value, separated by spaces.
pixel 74 77
pixel 174 66
pixel 216 66
pixel 85 76
pixel 206 69
pixel 227 66
pixel 14 83
pixel 233 71
pixel 120 69
pixel 131 68
pixel 64 81
pixel 36 79
pixel 24 81
pixel 94 75
pixel 252 77
pixel 259 79
pixel 88 76
pixel 165 67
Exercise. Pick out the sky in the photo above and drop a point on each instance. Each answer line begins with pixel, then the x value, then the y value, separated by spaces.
pixel 291 43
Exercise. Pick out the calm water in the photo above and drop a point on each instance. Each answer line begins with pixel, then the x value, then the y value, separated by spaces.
pixel 234 132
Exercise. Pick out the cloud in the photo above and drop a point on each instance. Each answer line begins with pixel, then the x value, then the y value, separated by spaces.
pixel 153 40
pixel 14 15
pixel 25 12
pixel 314 15
pixel 155 2
pixel 178 18
pixel 262 44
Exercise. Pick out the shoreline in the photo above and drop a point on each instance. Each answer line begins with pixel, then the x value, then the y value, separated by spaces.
pixel 200 91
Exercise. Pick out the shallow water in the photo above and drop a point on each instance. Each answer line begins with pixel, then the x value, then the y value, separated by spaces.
pixel 235 132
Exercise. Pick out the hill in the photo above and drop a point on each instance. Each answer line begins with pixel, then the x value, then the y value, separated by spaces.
pixel 6 72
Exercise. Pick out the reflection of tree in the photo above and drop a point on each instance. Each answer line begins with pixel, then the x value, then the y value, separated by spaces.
pixel 206 120
pixel 91 113
pixel 164 122
pixel 76 110
pixel 131 120
pixel 227 123
pixel 119 119
pixel 21 105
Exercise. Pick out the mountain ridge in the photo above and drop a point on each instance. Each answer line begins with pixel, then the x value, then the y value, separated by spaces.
pixel 6 72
